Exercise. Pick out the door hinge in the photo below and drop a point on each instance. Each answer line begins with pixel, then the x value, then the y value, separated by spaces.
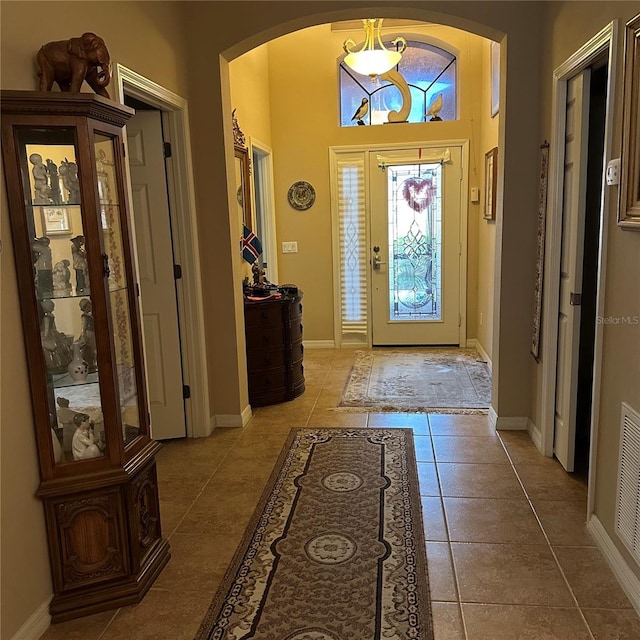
pixel 186 391
pixel 459 320
pixel 137 290
pixel 575 299
pixel 124 150
pixel 177 271
pixel 149 417
pixel 167 149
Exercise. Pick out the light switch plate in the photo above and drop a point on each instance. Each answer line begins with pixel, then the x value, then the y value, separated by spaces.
pixel 475 194
pixel 289 247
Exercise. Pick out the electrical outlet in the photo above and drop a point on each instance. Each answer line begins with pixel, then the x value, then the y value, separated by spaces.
pixel 289 247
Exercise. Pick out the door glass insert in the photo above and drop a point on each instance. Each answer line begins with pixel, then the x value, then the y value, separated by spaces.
pixel 414 193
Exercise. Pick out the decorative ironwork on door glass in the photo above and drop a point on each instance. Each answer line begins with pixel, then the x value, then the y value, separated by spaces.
pixel 415 239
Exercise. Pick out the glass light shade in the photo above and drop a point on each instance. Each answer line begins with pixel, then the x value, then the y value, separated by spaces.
pixel 373 62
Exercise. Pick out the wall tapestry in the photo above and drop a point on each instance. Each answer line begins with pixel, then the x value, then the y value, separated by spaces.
pixel 542 218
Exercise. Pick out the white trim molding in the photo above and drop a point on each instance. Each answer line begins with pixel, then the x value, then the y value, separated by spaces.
pixel 320 344
pixel 535 433
pixel 483 354
pixel 512 423
pixel 36 625
pixel 175 119
pixel 626 577
pixel 232 420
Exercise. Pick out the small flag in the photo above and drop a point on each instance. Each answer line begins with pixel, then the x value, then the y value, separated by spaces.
pixel 250 245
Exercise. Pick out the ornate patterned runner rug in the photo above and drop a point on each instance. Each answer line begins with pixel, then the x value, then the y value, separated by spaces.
pixel 418 380
pixel 335 548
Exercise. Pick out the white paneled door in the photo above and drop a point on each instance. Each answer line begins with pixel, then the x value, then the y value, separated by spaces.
pixel 157 276
pixel 573 216
pixel 416 246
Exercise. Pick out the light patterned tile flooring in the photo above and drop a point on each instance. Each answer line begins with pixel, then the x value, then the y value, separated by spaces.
pixel 509 554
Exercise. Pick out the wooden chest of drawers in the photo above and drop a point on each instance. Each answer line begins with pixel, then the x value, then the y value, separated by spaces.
pixel 273 330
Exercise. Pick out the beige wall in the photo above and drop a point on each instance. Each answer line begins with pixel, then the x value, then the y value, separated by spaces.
pixel 569 25
pixel 486 228
pixel 304 124
pixel 145 36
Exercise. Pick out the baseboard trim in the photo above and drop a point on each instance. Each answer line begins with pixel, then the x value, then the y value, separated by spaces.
pixel 493 418
pixel 626 577
pixel 515 423
pixel 471 343
pixel 483 354
pixel 36 625
pixel 233 420
pixel 536 435
pixel 319 344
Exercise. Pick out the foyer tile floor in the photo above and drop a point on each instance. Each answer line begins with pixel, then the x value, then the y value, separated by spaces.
pixel 509 554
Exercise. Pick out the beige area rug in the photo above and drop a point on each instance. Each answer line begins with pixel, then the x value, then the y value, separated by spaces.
pixel 335 549
pixel 442 380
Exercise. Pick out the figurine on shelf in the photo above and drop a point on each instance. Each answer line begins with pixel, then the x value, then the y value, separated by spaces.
pixel 57 354
pixel 80 264
pixel 62 278
pixel 41 252
pixel 65 421
pixel 87 337
pixel 55 195
pixel 104 188
pixel 84 444
pixel 69 172
pixel 40 179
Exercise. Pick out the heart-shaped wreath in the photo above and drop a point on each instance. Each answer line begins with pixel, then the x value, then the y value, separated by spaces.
pixel 418 192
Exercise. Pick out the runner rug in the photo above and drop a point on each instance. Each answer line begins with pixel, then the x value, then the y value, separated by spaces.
pixel 418 380
pixel 335 549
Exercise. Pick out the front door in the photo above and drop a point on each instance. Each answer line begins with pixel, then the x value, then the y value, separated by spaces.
pixel 157 283
pixel 415 246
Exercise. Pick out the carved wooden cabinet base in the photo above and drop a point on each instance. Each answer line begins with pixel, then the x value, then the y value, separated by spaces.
pixel 105 544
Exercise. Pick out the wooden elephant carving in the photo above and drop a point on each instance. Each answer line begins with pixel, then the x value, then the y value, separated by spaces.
pixel 70 62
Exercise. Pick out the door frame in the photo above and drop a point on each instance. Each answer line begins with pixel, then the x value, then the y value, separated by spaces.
pixel 269 203
pixel 603 42
pixel 180 183
pixel 334 152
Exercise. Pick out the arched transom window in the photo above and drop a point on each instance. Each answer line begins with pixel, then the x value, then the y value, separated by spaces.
pixel 428 70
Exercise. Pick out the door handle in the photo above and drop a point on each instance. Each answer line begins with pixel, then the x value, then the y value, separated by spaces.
pixel 377 262
pixel 575 299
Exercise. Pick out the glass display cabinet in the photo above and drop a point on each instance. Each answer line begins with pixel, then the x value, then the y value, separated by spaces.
pixel 63 163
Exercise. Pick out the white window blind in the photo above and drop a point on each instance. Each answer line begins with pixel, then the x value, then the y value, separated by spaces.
pixel 353 250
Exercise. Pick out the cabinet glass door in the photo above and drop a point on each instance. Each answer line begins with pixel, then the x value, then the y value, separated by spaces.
pixel 51 188
pixel 110 212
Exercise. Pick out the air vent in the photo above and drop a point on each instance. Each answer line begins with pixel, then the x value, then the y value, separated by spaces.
pixel 628 498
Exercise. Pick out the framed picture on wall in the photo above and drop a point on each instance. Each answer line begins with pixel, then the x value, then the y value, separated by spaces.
pixel 629 206
pixel 495 79
pixel 490 183
pixel 55 221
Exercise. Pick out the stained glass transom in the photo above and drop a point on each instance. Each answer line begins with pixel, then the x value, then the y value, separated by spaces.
pixel 415 241
pixel 428 70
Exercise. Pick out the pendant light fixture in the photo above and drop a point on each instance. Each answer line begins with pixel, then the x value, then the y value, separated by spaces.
pixel 370 61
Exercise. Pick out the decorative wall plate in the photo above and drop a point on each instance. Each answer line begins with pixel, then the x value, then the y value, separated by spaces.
pixel 301 195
